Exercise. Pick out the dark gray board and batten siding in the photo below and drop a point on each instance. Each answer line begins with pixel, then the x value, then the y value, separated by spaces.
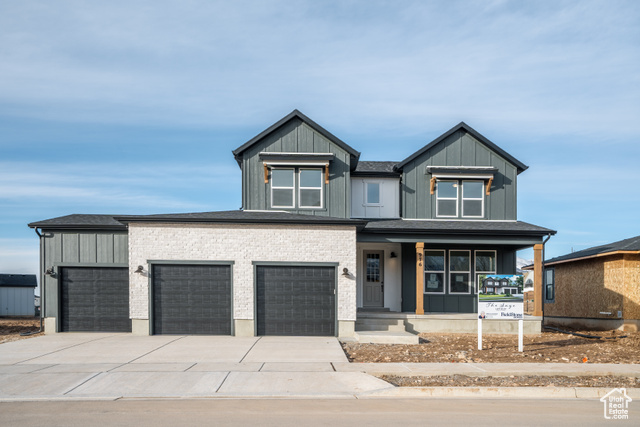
pixel 297 136
pixel 80 248
pixel 459 149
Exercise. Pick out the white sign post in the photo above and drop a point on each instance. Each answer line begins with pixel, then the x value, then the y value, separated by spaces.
pixel 500 297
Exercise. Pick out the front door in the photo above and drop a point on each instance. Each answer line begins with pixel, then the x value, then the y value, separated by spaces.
pixel 373 279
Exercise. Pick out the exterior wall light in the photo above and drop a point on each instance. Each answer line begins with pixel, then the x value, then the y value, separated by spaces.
pixel 50 272
pixel 345 272
pixel 140 269
pixel 393 255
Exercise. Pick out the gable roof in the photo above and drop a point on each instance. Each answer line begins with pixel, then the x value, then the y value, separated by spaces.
pixel 18 280
pixel 463 126
pixel 355 155
pixel 630 245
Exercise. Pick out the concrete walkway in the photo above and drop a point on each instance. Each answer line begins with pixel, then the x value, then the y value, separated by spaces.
pixel 112 366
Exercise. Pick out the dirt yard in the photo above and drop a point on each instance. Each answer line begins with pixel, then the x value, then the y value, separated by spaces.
pixel 549 347
pixel 512 381
pixel 12 327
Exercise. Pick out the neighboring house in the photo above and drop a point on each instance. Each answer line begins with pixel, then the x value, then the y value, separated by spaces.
pixel 17 294
pixel 321 235
pixel 595 288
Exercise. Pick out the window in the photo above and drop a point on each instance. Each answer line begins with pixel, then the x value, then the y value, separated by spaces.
pixel 451 203
pixel 485 265
pixel 459 272
pixel 310 187
pixel 372 193
pixel 282 188
pixel 447 198
pixel 472 199
pixel 434 271
pixel 549 285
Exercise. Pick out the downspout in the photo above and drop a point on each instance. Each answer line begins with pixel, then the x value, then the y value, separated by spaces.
pixel 42 286
pixel 544 289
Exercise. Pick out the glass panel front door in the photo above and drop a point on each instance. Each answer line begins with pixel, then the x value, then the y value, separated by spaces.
pixel 373 279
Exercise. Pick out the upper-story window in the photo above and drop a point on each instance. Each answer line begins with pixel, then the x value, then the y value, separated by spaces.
pixel 459 198
pixel 310 188
pixel 307 182
pixel 372 193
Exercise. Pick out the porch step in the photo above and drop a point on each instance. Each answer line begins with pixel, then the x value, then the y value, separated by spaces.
pixel 387 337
pixel 379 324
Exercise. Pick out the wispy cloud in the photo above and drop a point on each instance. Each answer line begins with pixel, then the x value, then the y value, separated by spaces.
pixel 389 66
pixel 96 184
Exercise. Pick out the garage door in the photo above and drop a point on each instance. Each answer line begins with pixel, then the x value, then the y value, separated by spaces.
pixel 192 299
pixel 94 300
pixel 296 300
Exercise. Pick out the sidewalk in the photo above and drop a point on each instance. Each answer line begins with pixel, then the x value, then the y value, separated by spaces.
pixel 116 366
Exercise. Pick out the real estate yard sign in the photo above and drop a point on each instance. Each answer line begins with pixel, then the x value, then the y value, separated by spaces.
pixel 500 296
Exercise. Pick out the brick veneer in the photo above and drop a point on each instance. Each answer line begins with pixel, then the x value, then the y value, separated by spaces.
pixel 242 244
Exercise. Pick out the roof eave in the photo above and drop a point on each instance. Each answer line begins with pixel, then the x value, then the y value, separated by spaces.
pixel 356 223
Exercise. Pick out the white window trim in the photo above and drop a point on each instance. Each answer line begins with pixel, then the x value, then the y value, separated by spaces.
pixel 481 198
pixel 293 190
pixel 454 272
pixel 475 255
pixel 300 188
pixel 444 272
pixel 438 198
pixel 366 193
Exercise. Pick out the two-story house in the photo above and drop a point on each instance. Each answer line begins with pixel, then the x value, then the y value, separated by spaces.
pixel 323 240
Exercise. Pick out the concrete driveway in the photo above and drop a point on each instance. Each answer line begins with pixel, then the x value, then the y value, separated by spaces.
pixel 111 366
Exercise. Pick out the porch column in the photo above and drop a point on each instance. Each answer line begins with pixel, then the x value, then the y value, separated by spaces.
pixel 538 277
pixel 419 278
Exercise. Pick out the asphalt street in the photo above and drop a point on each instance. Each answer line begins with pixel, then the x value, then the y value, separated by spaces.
pixel 312 412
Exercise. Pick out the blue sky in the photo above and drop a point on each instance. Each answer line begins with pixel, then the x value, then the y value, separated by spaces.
pixel 134 107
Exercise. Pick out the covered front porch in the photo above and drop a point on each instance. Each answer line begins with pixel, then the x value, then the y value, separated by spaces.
pixel 423 276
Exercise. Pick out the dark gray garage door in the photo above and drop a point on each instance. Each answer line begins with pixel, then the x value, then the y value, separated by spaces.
pixel 94 300
pixel 192 299
pixel 296 301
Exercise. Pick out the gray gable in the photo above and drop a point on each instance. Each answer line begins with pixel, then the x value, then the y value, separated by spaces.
pixel 295 114
pixel 479 137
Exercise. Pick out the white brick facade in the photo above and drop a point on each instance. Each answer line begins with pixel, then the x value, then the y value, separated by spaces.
pixel 242 244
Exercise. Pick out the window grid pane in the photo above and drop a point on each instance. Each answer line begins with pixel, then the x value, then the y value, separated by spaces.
pixel 282 188
pixel 373 267
pixel 434 274
pixel 310 184
pixel 459 272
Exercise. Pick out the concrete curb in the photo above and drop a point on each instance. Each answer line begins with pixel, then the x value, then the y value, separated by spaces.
pixel 496 392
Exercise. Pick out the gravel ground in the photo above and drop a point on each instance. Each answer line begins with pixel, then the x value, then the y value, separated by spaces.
pixel 513 381
pixel 12 327
pixel 549 346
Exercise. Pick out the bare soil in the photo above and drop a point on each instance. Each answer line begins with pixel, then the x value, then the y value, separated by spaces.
pixel 12 327
pixel 547 347
pixel 512 381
